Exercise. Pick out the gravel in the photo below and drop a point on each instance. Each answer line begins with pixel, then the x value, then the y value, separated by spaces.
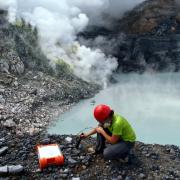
pixel 80 163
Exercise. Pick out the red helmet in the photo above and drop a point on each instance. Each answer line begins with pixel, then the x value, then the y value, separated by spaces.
pixel 101 112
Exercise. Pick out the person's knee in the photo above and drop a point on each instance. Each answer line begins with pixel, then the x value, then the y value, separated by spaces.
pixel 107 154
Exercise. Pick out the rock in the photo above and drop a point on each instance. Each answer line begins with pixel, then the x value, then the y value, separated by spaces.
pixel 154 156
pixel 2 144
pixel 32 131
pixel 66 171
pixel 2 100
pixel 6 79
pixel 15 83
pixel 91 150
pixel 3 150
pixel 64 175
pixel 1 107
pixel 9 123
pixel 15 169
pixel 45 141
pixel 2 90
pixel 129 178
pixel 2 141
pixel 93 102
pixel 3 170
pixel 119 177
pixel 142 176
pixel 72 161
pixel 68 139
pixel 76 178
pixel 16 65
pixel 4 66
pixel 154 168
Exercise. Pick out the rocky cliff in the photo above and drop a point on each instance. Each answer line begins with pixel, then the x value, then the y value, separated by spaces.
pixel 30 89
pixel 144 39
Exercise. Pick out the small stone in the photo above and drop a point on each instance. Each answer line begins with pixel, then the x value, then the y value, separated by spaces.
pixel 93 102
pixel 32 131
pixel 154 168
pixel 82 157
pixel 128 178
pixel 119 177
pixel 45 141
pixel 84 167
pixel 75 178
pixel 66 171
pixel 2 90
pixel 2 144
pixel 142 176
pixel 9 123
pixel 3 170
pixel 15 83
pixel 91 150
pixel 15 169
pixel 64 175
pixel 2 100
pixel 1 107
pixel 2 140
pixel 68 139
pixel 3 150
pixel 72 161
pixel 37 170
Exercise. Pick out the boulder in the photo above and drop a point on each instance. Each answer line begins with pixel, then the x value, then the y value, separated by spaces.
pixel 3 150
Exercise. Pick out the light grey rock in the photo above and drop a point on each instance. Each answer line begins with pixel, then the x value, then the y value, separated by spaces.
pixel 15 169
pixel 2 90
pixel 72 161
pixel 3 150
pixel 2 140
pixel 46 141
pixel 9 123
pixel 68 139
pixel 2 100
pixel 142 176
pixel 3 170
pixel 4 66
pixel 75 178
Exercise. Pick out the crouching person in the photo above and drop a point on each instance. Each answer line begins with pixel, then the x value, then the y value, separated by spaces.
pixel 115 130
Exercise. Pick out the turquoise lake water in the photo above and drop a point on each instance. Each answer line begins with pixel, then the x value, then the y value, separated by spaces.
pixel 150 102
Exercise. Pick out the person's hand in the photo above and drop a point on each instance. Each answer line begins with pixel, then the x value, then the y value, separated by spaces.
pixel 83 136
pixel 99 130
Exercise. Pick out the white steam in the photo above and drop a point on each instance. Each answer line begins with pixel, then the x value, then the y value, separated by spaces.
pixel 59 22
pixel 11 6
pixel 99 11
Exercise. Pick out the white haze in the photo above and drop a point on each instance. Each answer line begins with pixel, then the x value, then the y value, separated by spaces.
pixel 59 22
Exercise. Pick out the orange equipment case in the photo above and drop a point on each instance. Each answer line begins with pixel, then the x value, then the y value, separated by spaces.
pixel 49 155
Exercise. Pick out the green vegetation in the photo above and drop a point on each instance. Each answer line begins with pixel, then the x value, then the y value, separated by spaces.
pixel 62 68
pixel 27 47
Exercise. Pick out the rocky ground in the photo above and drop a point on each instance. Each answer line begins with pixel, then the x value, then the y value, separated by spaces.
pixel 148 162
pixel 28 103
pixel 145 39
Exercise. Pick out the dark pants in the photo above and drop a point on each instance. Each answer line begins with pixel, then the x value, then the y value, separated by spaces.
pixel 115 151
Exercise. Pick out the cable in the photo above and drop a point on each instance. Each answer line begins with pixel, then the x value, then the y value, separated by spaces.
pixel 84 129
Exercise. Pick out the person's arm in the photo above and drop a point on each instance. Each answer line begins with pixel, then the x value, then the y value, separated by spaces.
pixel 90 133
pixel 111 139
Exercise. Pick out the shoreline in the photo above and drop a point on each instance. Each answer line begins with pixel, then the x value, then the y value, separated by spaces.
pixel 151 161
